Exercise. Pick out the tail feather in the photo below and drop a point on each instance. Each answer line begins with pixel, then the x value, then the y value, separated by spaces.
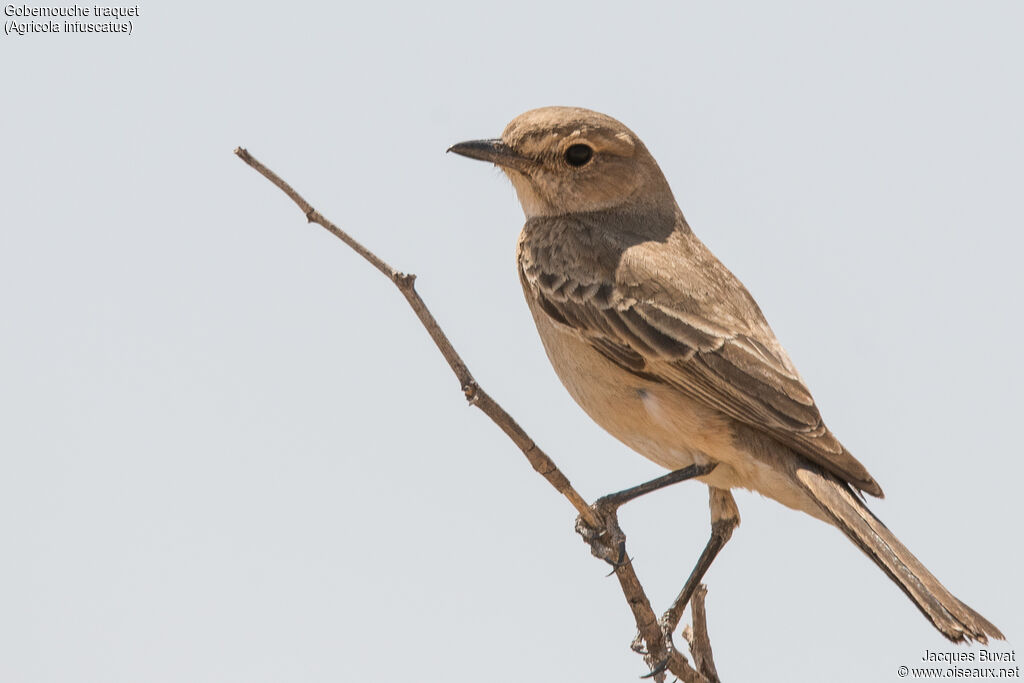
pixel 952 618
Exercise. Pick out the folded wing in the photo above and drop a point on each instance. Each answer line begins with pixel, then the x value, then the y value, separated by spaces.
pixel 707 339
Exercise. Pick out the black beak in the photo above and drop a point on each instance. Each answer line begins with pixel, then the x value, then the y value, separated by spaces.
pixel 494 151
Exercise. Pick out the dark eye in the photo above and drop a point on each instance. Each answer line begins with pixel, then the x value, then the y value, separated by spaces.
pixel 578 155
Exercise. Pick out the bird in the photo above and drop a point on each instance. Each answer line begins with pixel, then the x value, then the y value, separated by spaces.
pixel 662 346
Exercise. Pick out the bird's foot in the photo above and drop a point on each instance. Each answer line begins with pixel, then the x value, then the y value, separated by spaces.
pixel 661 665
pixel 607 542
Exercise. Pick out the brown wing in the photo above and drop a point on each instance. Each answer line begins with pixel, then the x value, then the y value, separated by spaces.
pixel 708 339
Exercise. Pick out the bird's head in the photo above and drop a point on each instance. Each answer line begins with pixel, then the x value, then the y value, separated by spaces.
pixel 565 160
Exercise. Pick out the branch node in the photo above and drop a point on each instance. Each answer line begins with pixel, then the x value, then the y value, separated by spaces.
pixel 405 281
pixel 471 390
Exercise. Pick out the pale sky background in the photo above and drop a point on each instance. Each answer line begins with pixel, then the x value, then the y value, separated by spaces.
pixel 228 452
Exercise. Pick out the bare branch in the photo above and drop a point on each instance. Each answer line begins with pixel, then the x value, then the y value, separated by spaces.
pixel 474 393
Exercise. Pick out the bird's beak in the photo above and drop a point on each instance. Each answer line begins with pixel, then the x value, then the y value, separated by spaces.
pixel 494 151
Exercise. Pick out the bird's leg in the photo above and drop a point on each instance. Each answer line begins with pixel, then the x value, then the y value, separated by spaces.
pixel 616 500
pixel 608 543
pixel 725 517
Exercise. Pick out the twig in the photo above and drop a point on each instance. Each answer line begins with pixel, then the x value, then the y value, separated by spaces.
pixel 660 654
pixel 406 284
pixel 697 636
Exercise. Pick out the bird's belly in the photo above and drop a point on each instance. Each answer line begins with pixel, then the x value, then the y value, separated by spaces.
pixel 652 419
pixel 666 426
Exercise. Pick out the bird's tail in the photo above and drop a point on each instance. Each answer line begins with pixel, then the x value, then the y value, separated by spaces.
pixel 954 619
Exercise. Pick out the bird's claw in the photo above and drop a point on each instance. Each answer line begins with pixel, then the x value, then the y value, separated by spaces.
pixel 658 668
pixel 607 543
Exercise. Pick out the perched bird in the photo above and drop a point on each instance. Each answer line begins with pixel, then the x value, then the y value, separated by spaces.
pixel 664 347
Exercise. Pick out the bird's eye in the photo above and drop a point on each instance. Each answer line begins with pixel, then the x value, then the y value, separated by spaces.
pixel 578 155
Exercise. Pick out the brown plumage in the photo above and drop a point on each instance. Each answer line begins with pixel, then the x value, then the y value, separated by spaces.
pixel 663 347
